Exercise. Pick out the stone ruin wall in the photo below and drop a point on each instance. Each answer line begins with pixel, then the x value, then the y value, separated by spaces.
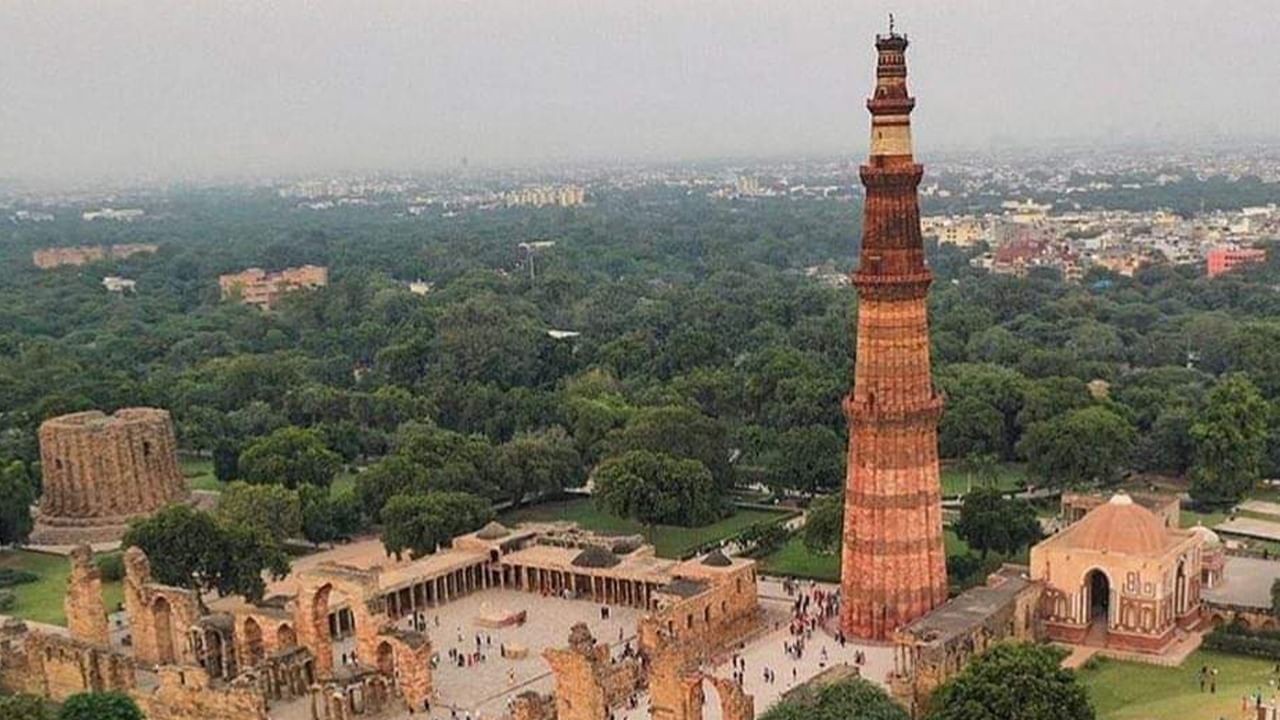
pixel 159 616
pixel 588 682
pixel 85 610
pixel 184 693
pixel 47 258
pixel 728 612
pixel 677 686
pixel 99 471
pixel 57 667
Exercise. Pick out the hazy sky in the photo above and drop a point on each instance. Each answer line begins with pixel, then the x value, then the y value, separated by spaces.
pixel 92 88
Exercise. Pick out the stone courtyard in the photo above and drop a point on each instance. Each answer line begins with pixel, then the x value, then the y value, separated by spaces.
pixel 484 690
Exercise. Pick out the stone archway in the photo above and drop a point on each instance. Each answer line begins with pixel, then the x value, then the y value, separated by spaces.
pixel 1097 588
pixel 311 621
pixel 386 659
pixel 285 637
pixel 162 621
pixel 254 646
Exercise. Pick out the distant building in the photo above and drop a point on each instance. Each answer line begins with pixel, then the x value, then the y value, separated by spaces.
pixel 958 231
pixel 1225 259
pixel 420 287
pixel 46 258
pixel 118 284
pixel 255 286
pixel 561 196
pixel 124 214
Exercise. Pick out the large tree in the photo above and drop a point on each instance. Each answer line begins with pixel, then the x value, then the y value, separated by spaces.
pixel 191 548
pixel 653 488
pixel 1230 440
pixel 16 496
pixel 1089 445
pixel 421 523
pixel 290 456
pixel 806 460
pixel 1013 682
pixel 541 462
pixel 274 510
pixel 100 706
pixel 970 426
pixel 854 699
pixel 824 524
pixel 990 521
pixel 681 432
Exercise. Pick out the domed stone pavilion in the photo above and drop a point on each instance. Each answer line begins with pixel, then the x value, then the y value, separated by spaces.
pixel 1119 577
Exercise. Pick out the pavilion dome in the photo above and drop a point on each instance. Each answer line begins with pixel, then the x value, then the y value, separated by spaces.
pixel 595 556
pixel 1210 537
pixel 1120 526
pixel 716 558
pixel 493 531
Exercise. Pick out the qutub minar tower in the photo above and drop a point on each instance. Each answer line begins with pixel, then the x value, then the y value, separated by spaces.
pixel 893 564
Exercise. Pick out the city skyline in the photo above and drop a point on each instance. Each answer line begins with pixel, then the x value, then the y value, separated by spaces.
pixel 140 89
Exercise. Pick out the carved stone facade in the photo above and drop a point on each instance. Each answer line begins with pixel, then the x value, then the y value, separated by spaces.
pixel 1120 577
pixel 710 604
pixel 893 564
pixel 83 605
pixel 100 471
pixel 46 258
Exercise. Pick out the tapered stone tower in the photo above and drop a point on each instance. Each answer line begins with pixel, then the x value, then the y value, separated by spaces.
pixel 893 564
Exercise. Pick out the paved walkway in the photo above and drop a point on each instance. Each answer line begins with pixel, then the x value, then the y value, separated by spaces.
pixel 1250 527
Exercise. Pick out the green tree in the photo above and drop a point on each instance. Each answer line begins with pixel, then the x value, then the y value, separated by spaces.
pixel 653 488
pixel 327 517
pixel 990 521
pixel 532 464
pixel 824 524
pixel 806 460
pixel 853 699
pixel 970 426
pixel 190 548
pixel 16 496
pixel 1088 445
pixel 24 707
pixel 390 476
pixel 1230 439
pixel 421 523
pixel 680 432
pixel 274 510
pixel 1013 682
pixel 100 706
pixel 290 456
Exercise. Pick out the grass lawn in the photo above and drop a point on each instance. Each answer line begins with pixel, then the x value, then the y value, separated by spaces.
pixel 1136 691
pixel 796 560
pixel 1009 476
pixel 41 601
pixel 669 541
pixel 199 473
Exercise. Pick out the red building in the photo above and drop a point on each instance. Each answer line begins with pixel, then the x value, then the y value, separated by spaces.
pixel 1225 259
pixel 893 564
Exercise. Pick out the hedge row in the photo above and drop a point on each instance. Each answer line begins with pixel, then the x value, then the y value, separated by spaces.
pixel 1243 642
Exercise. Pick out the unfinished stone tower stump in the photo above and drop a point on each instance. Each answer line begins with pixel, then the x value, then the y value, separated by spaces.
pixel 100 471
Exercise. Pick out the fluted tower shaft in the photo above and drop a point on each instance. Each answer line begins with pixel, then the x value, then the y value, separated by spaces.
pixel 893 563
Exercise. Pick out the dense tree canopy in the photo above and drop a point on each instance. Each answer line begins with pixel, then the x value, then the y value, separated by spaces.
pixel 654 488
pixel 100 706
pixel 422 523
pixel 1230 442
pixel 990 521
pixel 1013 682
pixel 853 699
